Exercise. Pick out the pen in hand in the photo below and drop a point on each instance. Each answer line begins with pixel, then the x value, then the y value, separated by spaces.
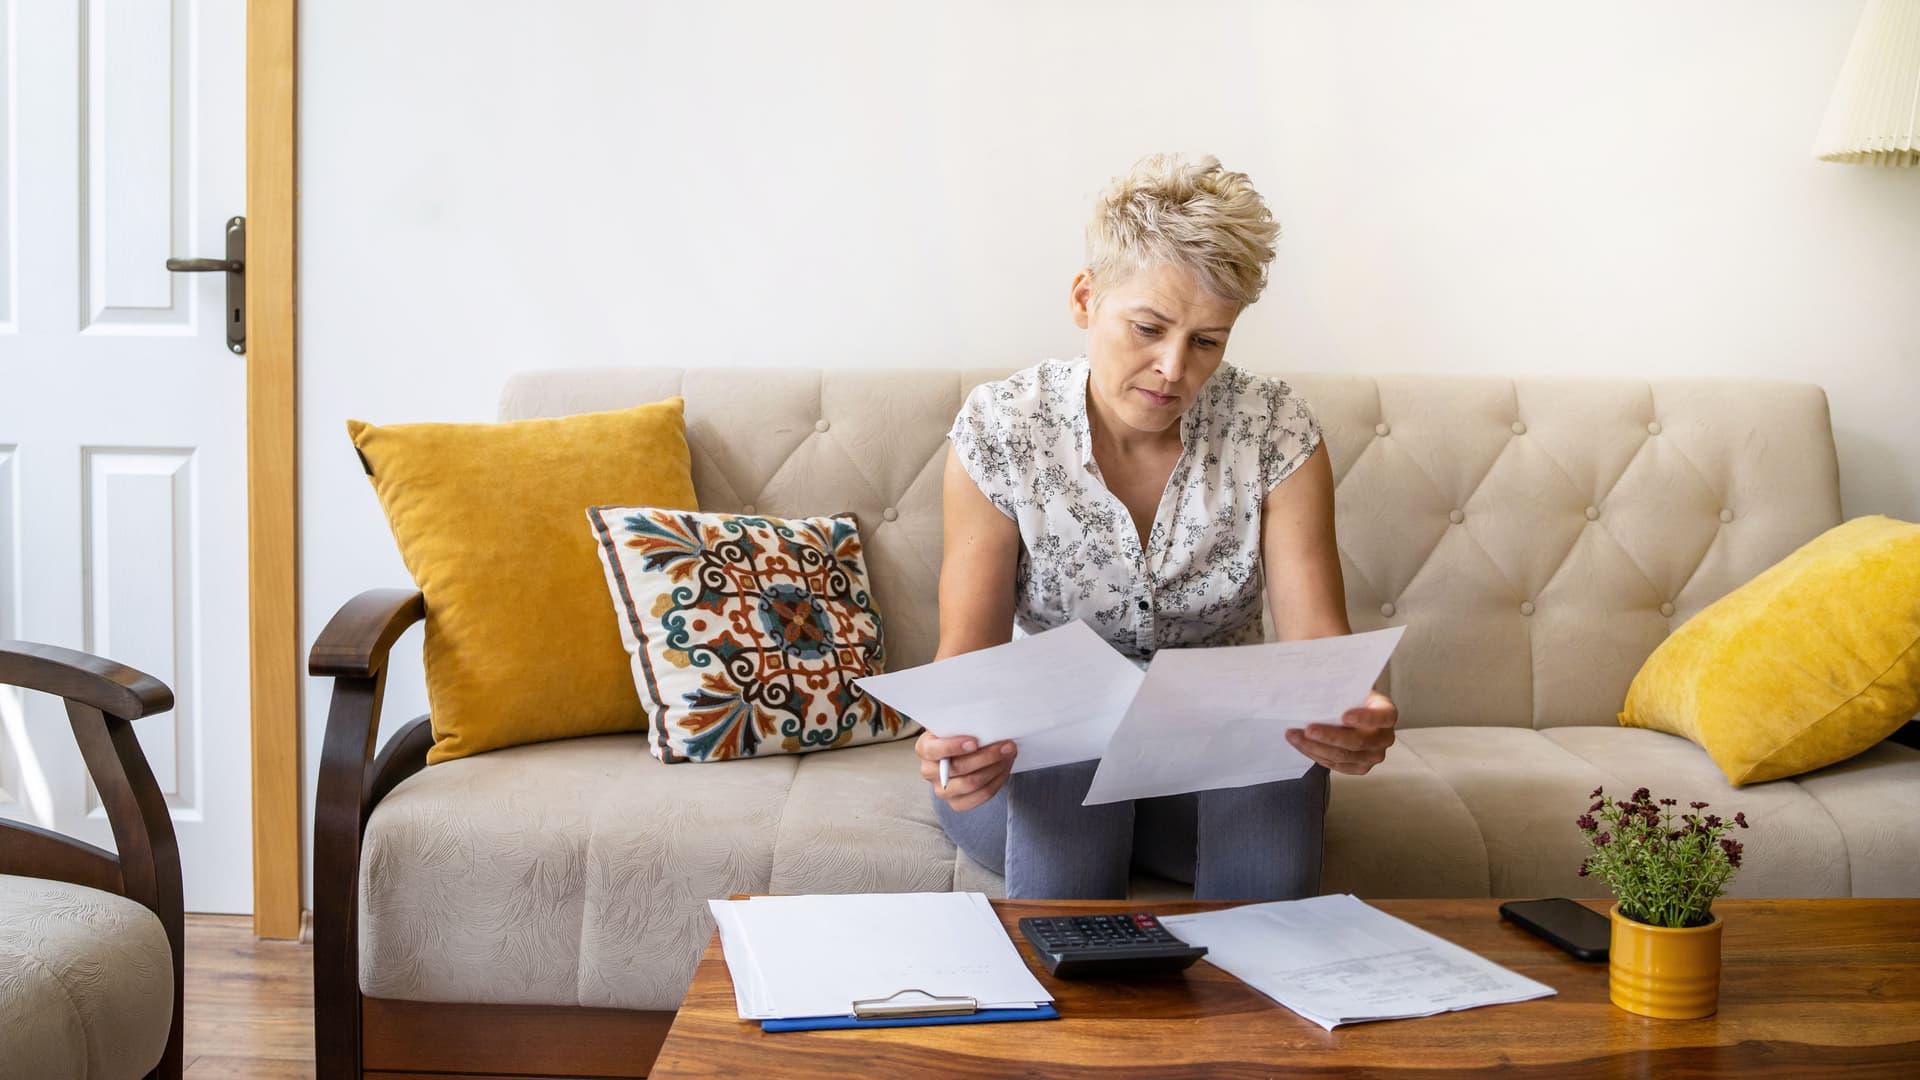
pixel 946 772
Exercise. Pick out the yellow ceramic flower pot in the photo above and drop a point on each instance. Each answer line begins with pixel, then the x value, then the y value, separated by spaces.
pixel 1663 972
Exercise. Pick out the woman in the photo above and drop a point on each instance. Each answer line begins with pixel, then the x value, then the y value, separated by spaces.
pixel 1149 489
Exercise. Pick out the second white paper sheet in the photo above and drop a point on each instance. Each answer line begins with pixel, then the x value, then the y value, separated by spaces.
pixel 1216 718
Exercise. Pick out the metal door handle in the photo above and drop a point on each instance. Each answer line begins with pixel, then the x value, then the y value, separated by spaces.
pixel 201 266
pixel 235 267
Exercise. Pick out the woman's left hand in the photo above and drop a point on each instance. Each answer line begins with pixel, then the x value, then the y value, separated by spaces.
pixel 1357 743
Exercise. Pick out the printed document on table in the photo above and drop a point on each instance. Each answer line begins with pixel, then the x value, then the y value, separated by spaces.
pixel 1336 960
pixel 1057 694
pixel 1216 718
pixel 811 956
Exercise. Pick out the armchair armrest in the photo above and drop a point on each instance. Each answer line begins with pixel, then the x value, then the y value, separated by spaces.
pixel 353 650
pixel 114 689
pixel 103 700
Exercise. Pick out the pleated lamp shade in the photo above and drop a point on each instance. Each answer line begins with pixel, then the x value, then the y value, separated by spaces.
pixel 1874 116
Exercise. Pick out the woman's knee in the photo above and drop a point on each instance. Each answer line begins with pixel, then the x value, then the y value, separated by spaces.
pixel 980 833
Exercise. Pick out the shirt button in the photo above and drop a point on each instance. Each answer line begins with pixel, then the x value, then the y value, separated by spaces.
pixel 821 425
pixel 1381 430
pixel 1667 610
pixel 1144 606
pixel 890 514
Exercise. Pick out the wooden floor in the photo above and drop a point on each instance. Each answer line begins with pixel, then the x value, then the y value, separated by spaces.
pixel 249 1003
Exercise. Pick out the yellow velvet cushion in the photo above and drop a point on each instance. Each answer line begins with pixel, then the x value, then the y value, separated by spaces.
pixel 520 647
pixel 1809 663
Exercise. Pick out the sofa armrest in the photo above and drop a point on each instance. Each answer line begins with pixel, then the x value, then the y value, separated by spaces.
pixel 358 637
pixel 353 650
pixel 103 699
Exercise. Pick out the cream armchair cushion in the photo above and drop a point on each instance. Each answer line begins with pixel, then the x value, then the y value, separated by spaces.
pixel 86 982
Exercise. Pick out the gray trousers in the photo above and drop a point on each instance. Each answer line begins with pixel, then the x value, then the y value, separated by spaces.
pixel 1250 843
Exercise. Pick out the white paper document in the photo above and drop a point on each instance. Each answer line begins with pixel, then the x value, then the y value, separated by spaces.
pixel 1336 960
pixel 812 956
pixel 1216 718
pixel 1058 695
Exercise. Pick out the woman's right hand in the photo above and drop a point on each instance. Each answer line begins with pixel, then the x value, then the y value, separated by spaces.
pixel 975 771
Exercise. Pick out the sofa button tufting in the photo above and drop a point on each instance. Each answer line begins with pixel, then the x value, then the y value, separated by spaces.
pixel 1526 607
pixel 1519 428
pixel 890 514
pixel 1387 610
pixel 1456 516
pixel 821 425
pixel 748 509
pixel 1726 516
pixel 1653 428
pixel 1593 513
pixel 1381 430
pixel 1667 610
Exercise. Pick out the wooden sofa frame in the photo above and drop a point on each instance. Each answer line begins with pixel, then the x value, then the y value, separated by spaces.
pixel 103 700
pixel 381 1039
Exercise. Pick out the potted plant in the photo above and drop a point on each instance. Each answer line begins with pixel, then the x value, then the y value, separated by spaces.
pixel 1665 869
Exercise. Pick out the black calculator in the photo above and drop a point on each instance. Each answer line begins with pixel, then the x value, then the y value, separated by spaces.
pixel 1093 946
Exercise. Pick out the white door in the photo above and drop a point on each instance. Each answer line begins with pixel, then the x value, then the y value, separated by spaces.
pixel 122 411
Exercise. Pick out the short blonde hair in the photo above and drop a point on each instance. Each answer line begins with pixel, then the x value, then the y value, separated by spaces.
pixel 1190 213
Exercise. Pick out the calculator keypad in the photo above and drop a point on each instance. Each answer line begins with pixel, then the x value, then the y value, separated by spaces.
pixel 1107 944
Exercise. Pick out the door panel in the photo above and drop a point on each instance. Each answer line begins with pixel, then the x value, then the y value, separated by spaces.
pixel 122 412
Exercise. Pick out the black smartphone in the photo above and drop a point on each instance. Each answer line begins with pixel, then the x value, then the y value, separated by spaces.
pixel 1573 926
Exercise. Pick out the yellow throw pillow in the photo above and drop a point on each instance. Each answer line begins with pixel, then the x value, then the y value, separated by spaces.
pixel 1811 662
pixel 520 647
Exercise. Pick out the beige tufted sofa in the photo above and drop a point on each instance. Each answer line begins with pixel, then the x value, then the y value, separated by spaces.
pixel 1537 538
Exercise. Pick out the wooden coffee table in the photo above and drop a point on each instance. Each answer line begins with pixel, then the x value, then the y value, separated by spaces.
pixel 1808 988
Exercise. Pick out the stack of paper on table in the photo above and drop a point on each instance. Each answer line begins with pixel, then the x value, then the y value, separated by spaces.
pixel 814 956
pixel 1336 960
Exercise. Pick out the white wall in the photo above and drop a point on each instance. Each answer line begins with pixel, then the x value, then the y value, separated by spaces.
pixel 1507 187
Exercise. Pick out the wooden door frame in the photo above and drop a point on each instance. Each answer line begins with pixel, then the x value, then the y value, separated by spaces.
pixel 273 563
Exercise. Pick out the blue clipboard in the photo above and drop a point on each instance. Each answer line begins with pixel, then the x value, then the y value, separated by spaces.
pixel 837 1023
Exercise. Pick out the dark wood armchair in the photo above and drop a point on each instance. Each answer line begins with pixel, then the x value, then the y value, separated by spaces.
pixel 103 700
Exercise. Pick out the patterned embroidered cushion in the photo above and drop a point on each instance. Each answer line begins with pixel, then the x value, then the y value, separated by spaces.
pixel 746 632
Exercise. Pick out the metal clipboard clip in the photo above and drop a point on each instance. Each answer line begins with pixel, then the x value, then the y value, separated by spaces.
pixel 888 1008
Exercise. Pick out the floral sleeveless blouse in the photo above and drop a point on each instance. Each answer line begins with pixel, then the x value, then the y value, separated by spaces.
pixel 1026 442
